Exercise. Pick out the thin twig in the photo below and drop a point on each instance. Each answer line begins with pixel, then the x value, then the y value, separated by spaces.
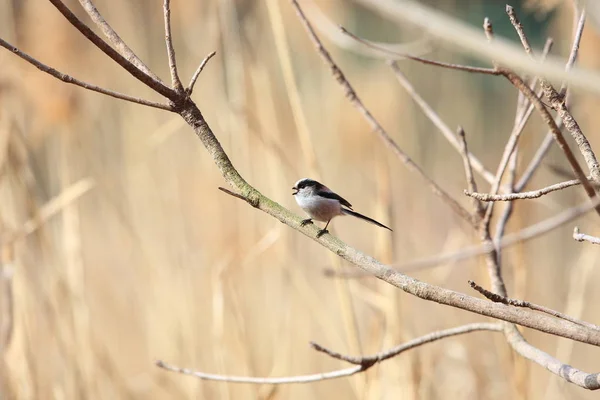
pixel 557 101
pixel 525 304
pixel 74 81
pixel 581 237
pixel 112 53
pixel 488 29
pixel 519 28
pixel 382 50
pixel 262 381
pixel 190 87
pixel 477 207
pixel 238 196
pixel 115 39
pixel 574 49
pixel 466 38
pixel 393 352
pixel 375 46
pixel 511 145
pixel 358 104
pixel 362 363
pixel 556 133
pixel 439 123
pixel 545 145
pixel 534 194
pixel 175 81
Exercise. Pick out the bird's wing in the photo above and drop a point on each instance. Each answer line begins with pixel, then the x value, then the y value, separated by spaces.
pixel 331 195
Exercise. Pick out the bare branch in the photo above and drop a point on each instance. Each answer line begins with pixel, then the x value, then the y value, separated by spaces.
pixel 74 81
pixel 519 28
pixel 522 195
pixel 582 237
pixel 556 133
pixel 379 47
pixel 469 171
pixel 383 50
pixel 358 104
pixel 466 38
pixel 190 87
pixel 545 146
pixel 115 39
pixel 262 381
pixel 488 29
pixel 521 303
pixel 112 53
pixel 437 121
pixel 574 49
pixel 557 101
pixel 510 149
pixel 565 371
pixel 362 363
pixel 237 196
pixel 393 352
pixel 175 81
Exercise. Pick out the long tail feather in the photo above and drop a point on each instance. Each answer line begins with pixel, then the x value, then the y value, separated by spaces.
pixel 364 217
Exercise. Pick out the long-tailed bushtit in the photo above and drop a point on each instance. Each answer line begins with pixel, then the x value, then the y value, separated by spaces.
pixel 321 204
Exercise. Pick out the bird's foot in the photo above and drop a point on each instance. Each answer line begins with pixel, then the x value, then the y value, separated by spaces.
pixel 322 232
pixel 306 222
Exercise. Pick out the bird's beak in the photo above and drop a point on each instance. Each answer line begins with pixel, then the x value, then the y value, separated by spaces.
pixel 295 189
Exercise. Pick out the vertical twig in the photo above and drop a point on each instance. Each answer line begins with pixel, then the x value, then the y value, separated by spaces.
pixel 175 81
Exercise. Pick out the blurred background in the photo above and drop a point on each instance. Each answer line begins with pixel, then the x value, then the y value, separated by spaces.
pixel 142 258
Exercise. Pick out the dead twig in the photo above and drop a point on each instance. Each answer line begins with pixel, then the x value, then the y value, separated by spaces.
pixel 477 207
pixel 192 83
pixel 112 53
pixel 362 363
pixel 556 100
pixel 175 81
pixel 458 67
pixel 582 237
pixel 534 194
pixel 522 303
pixel 74 81
pixel 115 39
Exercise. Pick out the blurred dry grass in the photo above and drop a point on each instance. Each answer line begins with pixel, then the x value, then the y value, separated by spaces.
pixel 155 262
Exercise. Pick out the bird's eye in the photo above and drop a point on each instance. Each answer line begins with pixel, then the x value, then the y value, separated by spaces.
pixel 301 185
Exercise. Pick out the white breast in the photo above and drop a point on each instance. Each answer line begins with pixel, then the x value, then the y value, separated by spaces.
pixel 319 208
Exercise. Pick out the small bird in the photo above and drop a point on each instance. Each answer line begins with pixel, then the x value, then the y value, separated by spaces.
pixel 321 204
